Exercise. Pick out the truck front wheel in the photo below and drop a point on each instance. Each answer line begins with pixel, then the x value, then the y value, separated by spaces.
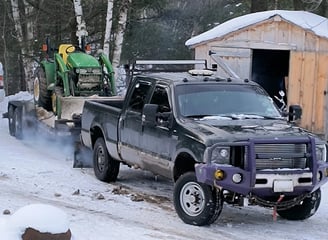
pixel 196 203
pixel 105 167
pixel 304 209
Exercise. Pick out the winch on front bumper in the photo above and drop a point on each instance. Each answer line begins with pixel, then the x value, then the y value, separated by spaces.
pixel 266 167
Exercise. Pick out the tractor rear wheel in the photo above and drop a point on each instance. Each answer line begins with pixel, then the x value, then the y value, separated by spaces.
pixel 42 97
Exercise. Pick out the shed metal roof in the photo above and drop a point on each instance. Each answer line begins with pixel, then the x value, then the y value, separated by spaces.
pixel 303 19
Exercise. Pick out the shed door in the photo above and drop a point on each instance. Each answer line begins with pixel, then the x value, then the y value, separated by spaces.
pixel 270 69
pixel 226 59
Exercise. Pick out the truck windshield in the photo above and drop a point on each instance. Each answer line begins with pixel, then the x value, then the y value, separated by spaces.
pixel 223 100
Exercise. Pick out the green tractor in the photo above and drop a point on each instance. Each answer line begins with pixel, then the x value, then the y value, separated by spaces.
pixel 64 81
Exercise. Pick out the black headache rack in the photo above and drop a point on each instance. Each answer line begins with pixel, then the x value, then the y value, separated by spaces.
pixel 140 66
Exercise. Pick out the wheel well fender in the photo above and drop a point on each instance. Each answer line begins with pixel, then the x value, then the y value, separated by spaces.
pixel 184 162
pixel 96 133
pixel 49 71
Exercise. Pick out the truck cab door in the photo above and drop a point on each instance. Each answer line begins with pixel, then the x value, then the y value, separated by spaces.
pixel 156 139
pixel 130 124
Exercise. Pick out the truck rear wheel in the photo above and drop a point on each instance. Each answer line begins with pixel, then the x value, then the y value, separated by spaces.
pixel 42 97
pixel 303 210
pixel 196 203
pixel 105 167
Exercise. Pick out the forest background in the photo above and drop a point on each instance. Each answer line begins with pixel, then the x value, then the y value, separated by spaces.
pixel 125 29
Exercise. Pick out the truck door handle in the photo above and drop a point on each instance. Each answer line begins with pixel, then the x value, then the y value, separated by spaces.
pixel 121 123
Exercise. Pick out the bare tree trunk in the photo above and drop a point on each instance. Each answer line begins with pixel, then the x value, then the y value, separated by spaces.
pixel 28 60
pixel 109 22
pixel 81 26
pixel 5 52
pixel 123 15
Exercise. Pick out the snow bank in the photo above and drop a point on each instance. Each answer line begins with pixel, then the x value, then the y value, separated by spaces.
pixel 22 95
pixel 42 217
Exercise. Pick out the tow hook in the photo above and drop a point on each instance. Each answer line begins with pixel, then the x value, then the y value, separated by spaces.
pixel 274 214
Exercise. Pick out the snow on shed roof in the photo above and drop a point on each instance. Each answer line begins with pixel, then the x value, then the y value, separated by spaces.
pixel 306 20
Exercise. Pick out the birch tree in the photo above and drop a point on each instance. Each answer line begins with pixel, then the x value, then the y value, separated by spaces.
pixel 81 25
pixel 119 37
pixel 24 40
pixel 109 23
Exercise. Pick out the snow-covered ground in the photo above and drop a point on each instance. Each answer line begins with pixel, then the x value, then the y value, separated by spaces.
pixel 138 206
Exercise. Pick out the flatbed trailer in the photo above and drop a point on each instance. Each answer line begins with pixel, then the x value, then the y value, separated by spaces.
pixel 26 119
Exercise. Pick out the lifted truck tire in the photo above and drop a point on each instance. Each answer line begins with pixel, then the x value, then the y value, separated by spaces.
pixel 105 167
pixel 196 203
pixel 305 209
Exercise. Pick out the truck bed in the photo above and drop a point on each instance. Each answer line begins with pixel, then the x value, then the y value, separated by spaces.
pixel 106 111
pixel 116 101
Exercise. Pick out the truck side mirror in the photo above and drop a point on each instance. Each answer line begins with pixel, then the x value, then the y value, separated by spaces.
pixel 294 113
pixel 149 114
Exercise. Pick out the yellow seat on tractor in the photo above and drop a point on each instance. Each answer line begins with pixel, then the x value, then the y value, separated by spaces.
pixel 64 49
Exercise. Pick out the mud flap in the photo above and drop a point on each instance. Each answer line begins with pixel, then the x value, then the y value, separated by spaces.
pixel 82 156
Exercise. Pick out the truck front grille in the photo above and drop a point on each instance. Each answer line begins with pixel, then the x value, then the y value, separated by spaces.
pixel 278 156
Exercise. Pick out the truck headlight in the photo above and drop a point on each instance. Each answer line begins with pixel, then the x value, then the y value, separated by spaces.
pixel 221 155
pixel 321 152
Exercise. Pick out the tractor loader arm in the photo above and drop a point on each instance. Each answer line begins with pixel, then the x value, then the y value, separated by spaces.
pixel 63 73
pixel 110 71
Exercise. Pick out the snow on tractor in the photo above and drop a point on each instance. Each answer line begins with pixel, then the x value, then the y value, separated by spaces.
pixel 69 75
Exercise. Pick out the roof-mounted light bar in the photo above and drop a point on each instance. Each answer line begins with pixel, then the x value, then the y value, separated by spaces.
pixel 168 65
pixel 170 62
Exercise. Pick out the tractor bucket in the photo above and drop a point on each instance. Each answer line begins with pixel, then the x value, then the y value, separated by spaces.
pixel 67 107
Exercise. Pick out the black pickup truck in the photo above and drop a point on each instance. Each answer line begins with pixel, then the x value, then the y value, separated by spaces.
pixel 220 140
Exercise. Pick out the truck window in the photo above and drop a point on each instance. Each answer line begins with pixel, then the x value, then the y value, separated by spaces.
pixel 139 95
pixel 161 99
pixel 221 100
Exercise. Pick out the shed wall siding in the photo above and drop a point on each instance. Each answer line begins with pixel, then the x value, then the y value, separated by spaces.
pixel 269 35
pixel 307 86
pixel 320 110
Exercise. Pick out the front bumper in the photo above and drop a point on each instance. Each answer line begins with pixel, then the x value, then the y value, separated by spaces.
pixel 266 182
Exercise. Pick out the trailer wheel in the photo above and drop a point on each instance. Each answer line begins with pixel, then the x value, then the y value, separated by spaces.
pixel 305 209
pixel 42 97
pixel 18 124
pixel 11 123
pixel 105 167
pixel 196 203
